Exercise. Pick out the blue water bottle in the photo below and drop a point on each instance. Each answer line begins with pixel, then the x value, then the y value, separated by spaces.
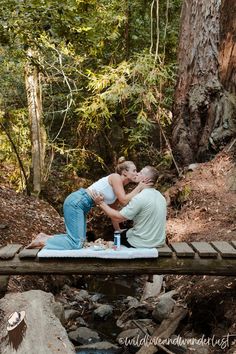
pixel 116 240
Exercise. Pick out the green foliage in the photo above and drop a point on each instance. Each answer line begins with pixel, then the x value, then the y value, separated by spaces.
pixel 16 125
pixel 77 159
pixel 183 196
pixel 103 94
pixel 133 94
pixel 14 130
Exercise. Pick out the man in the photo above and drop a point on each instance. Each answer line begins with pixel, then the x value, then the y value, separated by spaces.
pixel 147 210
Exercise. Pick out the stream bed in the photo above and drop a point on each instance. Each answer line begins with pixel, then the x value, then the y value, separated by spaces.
pixel 112 291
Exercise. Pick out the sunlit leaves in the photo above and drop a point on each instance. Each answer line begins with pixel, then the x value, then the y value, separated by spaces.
pixel 132 91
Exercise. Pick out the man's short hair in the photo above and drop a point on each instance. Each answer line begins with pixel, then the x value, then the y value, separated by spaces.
pixel 152 173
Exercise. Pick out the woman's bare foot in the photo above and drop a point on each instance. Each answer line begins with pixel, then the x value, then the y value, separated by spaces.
pixel 39 241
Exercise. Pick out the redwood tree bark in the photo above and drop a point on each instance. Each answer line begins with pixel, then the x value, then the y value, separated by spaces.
pixel 205 102
pixel 38 134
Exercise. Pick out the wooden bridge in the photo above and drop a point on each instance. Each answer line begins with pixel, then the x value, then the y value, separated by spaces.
pixel 214 258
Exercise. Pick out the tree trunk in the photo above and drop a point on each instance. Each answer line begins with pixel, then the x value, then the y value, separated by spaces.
pixel 127 30
pixel 205 102
pixel 38 134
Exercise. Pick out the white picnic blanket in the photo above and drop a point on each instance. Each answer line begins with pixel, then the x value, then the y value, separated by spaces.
pixel 93 252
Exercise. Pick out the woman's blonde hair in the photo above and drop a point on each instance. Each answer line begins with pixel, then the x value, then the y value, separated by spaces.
pixel 123 165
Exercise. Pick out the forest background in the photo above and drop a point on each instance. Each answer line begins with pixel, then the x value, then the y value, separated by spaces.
pixel 84 82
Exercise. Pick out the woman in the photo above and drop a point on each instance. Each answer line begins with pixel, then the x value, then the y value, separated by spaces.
pixel 77 205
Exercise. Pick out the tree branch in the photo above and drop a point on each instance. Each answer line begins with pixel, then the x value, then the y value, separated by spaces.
pixel 18 157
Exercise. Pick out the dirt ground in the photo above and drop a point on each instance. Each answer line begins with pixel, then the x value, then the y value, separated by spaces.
pixel 202 206
pixel 203 202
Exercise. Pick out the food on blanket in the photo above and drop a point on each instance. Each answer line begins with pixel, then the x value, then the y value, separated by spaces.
pixel 100 241
pixel 99 244
pixel 110 244
pixel 99 248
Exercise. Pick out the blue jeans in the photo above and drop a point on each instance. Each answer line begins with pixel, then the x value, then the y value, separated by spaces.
pixel 76 207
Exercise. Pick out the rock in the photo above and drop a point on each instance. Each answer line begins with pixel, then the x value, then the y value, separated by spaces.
pixel 128 333
pixel 78 298
pixel 163 308
pixel 103 311
pixel 71 314
pixel 96 297
pixel 100 347
pixel 72 328
pixel 84 335
pixel 152 289
pixel 42 326
pixel 192 166
pixel 132 301
pixel 58 311
pixel 73 303
pixel 81 322
pixel 130 338
pixel 66 288
pixel 84 294
pixel 3 284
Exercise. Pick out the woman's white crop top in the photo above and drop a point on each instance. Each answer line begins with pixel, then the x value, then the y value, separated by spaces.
pixel 103 186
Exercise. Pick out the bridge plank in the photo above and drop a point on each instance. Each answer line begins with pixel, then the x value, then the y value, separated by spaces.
pixel 182 249
pixel 204 249
pixel 164 251
pixel 234 243
pixel 160 265
pixel 28 253
pixel 224 248
pixel 9 251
